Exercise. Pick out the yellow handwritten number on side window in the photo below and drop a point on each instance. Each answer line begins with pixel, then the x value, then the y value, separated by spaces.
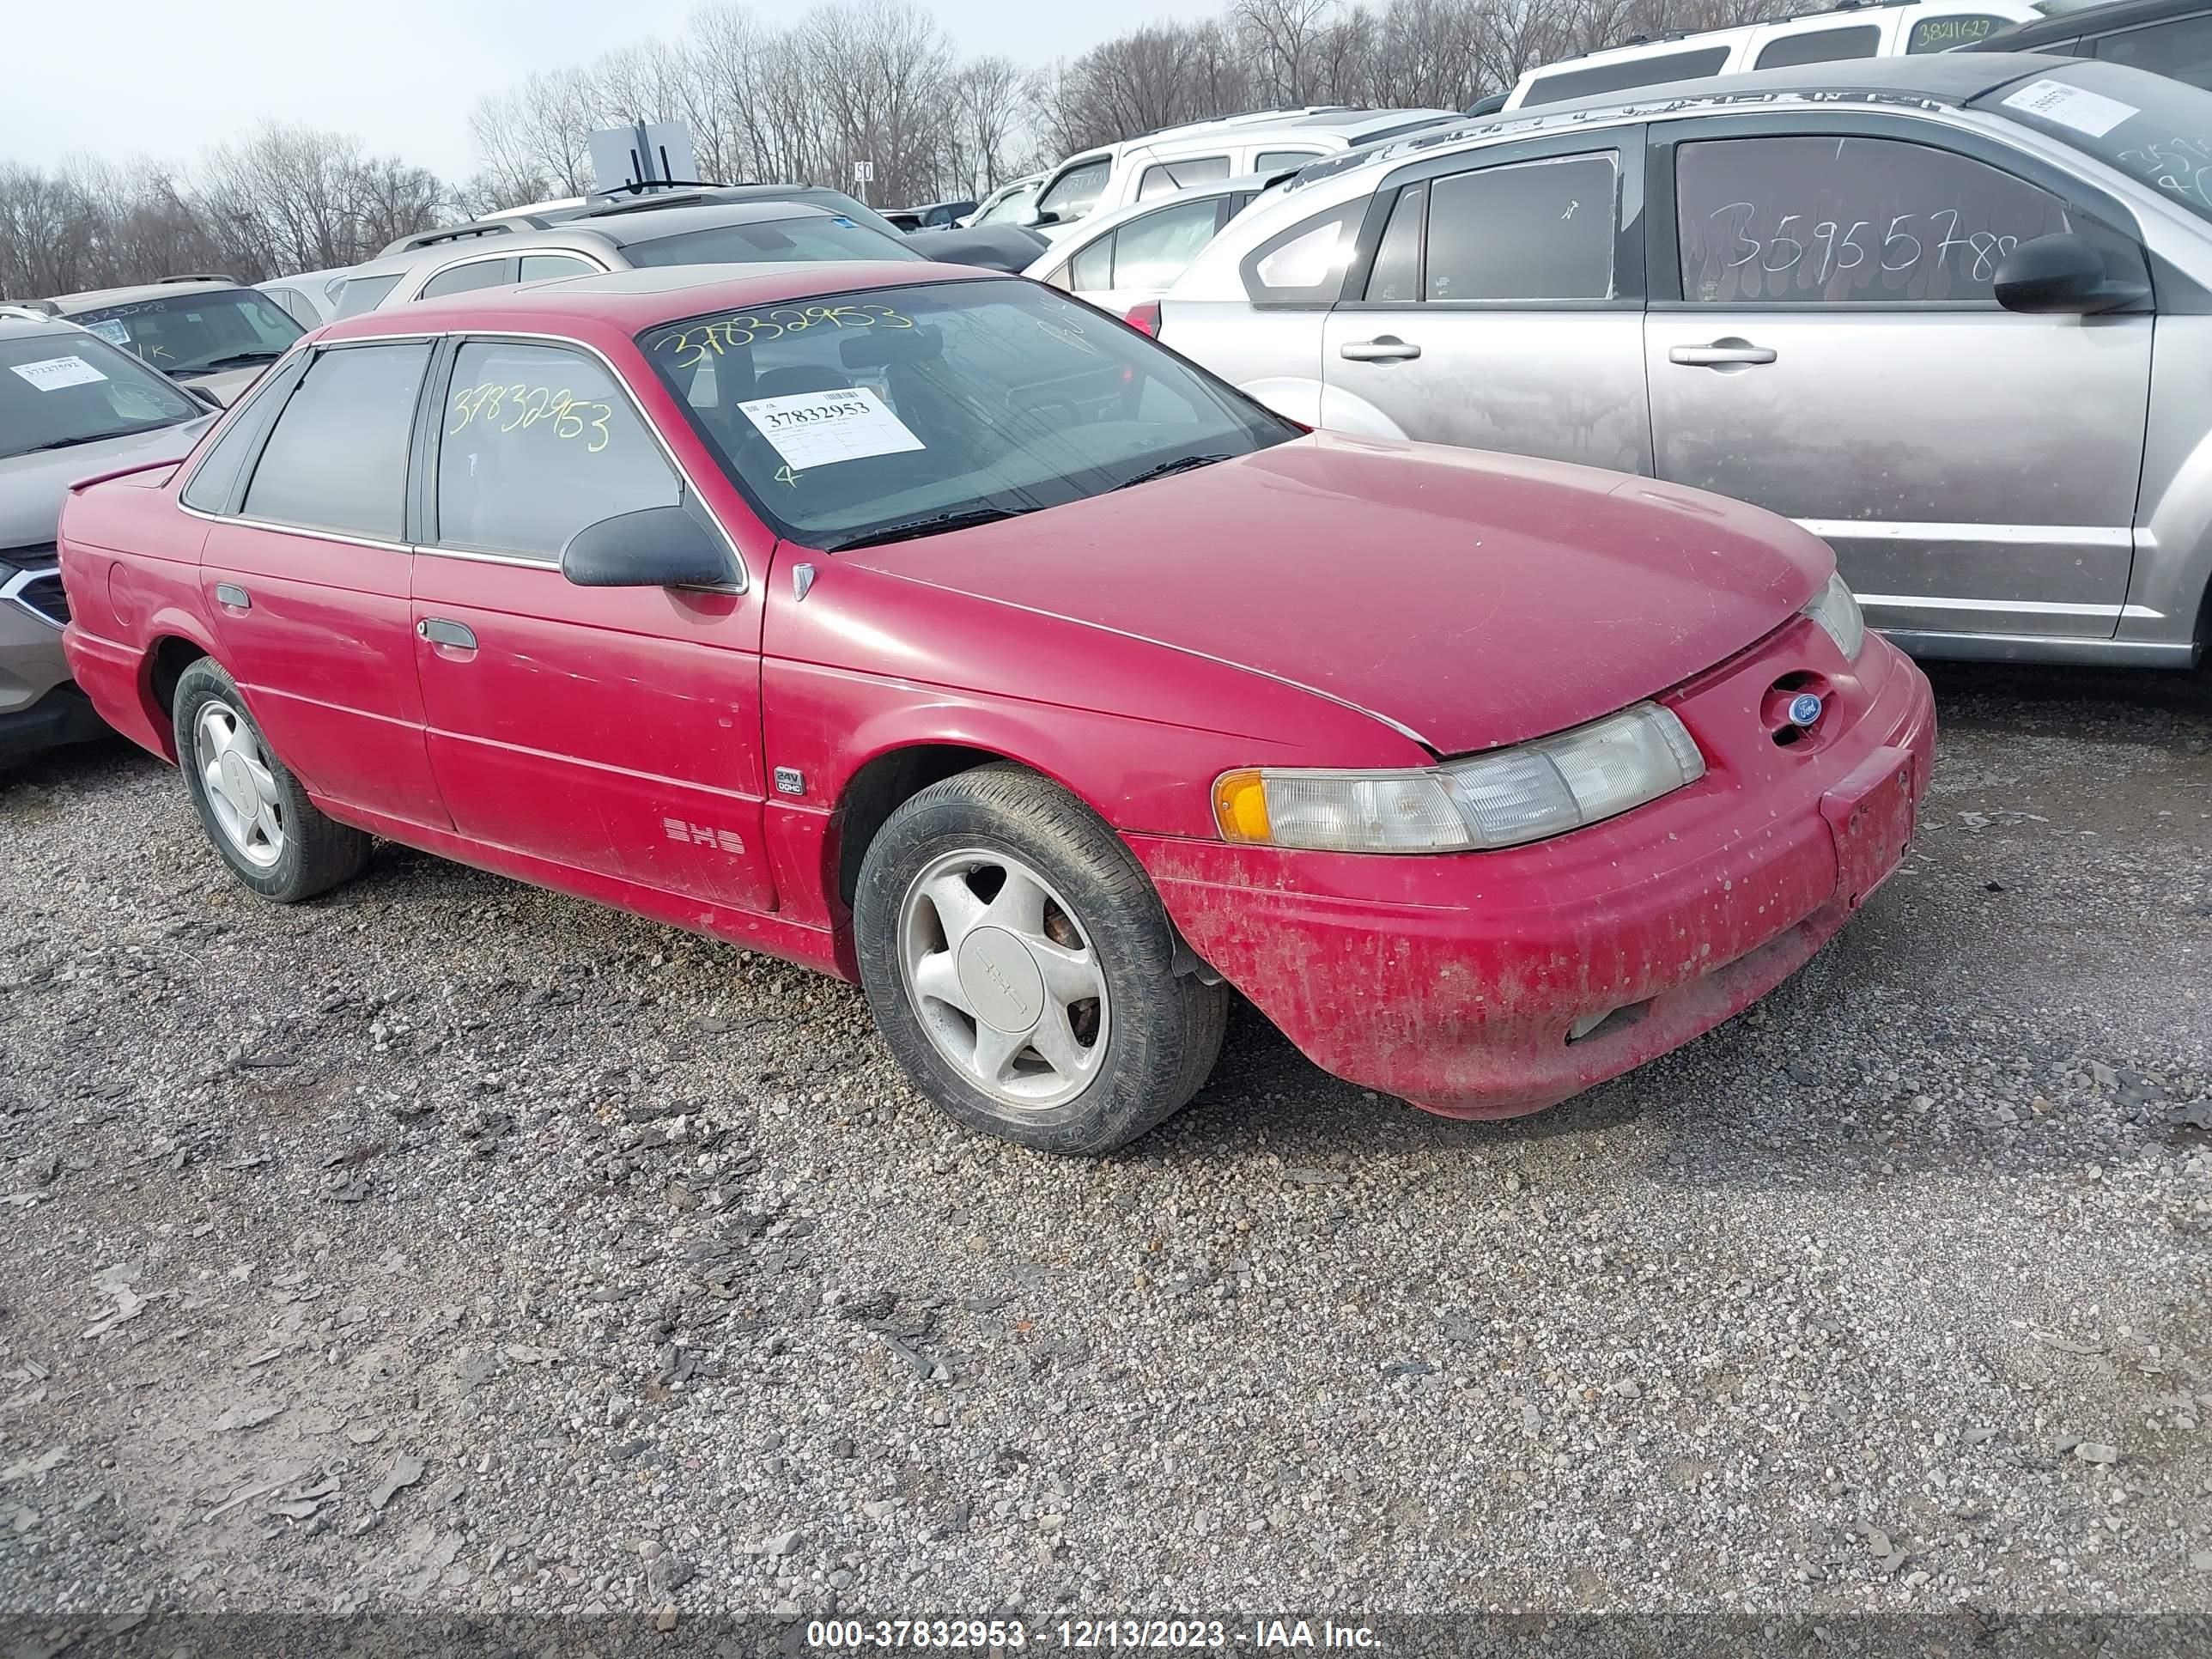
pixel 527 406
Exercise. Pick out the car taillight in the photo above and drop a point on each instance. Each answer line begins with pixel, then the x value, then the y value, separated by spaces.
pixel 1146 317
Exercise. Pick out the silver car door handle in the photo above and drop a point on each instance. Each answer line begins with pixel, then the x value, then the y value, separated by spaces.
pixel 439 631
pixel 1720 352
pixel 231 596
pixel 1383 349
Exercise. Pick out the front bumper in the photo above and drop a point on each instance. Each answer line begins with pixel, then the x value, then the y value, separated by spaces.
pixel 1455 981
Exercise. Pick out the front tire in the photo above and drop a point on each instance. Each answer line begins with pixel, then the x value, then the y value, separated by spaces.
pixel 1022 968
pixel 273 837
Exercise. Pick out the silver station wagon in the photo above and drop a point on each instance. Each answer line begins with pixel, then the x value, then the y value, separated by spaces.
pixel 1951 313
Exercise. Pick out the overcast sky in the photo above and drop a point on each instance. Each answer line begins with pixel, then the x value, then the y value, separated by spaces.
pixel 168 78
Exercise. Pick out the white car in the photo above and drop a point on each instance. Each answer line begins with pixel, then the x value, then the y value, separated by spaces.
pixel 1851 30
pixel 1009 205
pixel 1205 152
pixel 310 296
pixel 1133 255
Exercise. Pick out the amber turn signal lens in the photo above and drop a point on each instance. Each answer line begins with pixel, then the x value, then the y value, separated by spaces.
pixel 1240 807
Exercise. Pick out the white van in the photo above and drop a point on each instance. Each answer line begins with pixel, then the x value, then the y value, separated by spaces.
pixel 1886 28
pixel 1205 152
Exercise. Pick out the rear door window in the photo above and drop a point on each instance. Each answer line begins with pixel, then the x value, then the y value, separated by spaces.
pixel 536 267
pixel 1528 230
pixel 1396 277
pixel 536 443
pixel 1815 220
pixel 337 459
pixel 1821 47
pixel 478 273
pixel 1282 160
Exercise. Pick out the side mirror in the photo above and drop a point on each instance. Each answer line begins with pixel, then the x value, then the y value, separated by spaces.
pixel 2061 274
pixel 1043 216
pixel 653 547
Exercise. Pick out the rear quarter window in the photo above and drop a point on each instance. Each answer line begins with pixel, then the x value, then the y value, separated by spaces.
pixel 1306 264
pixel 1563 84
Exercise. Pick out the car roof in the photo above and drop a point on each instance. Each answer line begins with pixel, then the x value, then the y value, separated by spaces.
pixel 16 325
pixel 628 301
pixel 92 298
pixel 651 224
pixel 1946 78
pixel 2089 20
pixel 1838 15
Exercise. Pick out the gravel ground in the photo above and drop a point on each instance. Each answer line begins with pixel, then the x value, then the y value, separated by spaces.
pixel 450 1244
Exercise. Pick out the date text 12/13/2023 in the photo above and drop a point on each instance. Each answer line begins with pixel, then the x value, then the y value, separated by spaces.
pixel 1256 1635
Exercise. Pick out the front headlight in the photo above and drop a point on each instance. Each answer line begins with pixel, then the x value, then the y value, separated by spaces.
pixel 1520 794
pixel 1838 613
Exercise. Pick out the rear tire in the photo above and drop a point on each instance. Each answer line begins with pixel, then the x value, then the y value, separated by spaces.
pixel 273 837
pixel 1022 968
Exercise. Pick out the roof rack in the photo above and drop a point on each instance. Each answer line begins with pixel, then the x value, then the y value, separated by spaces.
pixel 693 195
pixel 501 226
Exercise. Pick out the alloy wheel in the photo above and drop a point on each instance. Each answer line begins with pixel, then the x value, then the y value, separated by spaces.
pixel 241 791
pixel 1002 977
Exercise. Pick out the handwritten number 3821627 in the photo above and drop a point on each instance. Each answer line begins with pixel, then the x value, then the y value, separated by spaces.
pixel 1832 248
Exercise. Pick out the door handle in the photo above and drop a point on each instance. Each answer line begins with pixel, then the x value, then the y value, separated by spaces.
pixel 439 631
pixel 1720 354
pixel 231 597
pixel 1383 349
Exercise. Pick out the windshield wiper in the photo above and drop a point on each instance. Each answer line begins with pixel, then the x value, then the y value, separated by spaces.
pixel 72 443
pixel 905 530
pixel 236 360
pixel 1180 464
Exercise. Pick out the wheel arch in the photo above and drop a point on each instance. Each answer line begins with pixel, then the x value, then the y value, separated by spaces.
pixel 883 783
pixel 169 652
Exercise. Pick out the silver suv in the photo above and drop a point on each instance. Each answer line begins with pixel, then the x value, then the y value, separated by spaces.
pixel 70 406
pixel 1949 312
pixel 622 239
pixel 206 330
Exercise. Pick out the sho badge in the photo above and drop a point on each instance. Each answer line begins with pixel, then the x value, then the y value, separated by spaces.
pixel 702 835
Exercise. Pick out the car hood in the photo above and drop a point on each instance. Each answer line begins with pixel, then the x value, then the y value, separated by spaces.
pixel 1468 598
pixel 226 384
pixel 32 486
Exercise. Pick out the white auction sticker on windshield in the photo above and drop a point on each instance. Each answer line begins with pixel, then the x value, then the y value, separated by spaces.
pixel 2072 106
pixel 818 428
pixel 113 330
pixel 54 372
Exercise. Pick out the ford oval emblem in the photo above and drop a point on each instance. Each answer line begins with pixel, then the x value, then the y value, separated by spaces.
pixel 1804 708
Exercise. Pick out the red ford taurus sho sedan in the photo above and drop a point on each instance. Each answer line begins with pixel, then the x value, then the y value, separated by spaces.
pixel 932 630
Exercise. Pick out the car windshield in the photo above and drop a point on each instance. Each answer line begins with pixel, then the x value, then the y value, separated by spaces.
pixel 897 412
pixel 203 331
pixel 770 241
pixel 2156 130
pixel 1011 207
pixel 63 389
